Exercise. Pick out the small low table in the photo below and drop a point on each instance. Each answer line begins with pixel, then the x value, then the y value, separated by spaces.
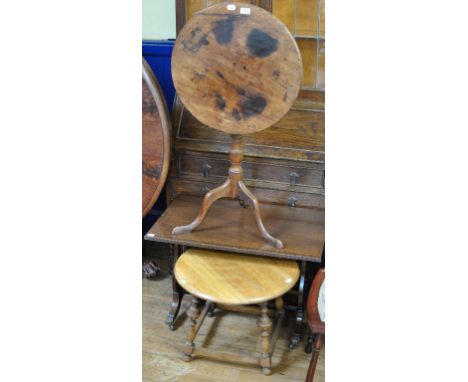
pixel 230 279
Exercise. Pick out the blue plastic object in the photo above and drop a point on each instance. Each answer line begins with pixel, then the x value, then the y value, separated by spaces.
pixel 158 55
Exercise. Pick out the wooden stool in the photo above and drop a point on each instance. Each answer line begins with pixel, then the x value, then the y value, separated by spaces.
pixel 230 280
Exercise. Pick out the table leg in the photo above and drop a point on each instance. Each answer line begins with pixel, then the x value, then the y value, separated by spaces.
pixel 177 291
pixel 297 332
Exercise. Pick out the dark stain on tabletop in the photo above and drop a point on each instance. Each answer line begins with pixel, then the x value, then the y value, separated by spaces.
pixel 261 44
pixel 220 101
pixel 151 171
pixel 220 75
pixel 197 40
pixel 223 30
pixel 240 91
pixel 251 104
pixel 236 114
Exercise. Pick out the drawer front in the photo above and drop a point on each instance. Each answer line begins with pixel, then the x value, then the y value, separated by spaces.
pixel 264 195
pixel 211 168
pixel 298 136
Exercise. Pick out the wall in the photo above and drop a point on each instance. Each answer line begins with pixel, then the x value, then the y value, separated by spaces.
pixel 158 19
pixel 159 25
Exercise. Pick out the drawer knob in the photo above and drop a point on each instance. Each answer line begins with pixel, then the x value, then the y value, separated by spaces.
pixel 293 177
pixel 206 170
pixel 292 201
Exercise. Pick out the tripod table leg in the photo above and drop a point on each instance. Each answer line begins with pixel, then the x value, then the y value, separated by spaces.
pixel 258 219
pixel 212 196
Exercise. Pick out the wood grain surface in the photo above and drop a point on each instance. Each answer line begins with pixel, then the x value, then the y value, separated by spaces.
pixel 230 278
pixel 228 227
pixel 156 139
pixel 236 72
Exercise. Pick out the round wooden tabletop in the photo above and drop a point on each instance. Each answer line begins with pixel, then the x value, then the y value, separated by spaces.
pixel 234 279
pixel 156 138
pixel 236 68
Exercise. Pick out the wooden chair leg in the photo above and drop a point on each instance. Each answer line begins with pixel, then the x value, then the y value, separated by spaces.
pixel 258 219
pixel 193 314
pixel 265 326
pixel 318 342
pixel 212 196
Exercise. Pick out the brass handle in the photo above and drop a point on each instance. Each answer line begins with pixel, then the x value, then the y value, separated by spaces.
pixel 292 201
pixel 293 177
pixel 206 170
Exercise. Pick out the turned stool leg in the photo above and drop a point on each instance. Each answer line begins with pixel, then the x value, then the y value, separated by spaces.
pixel 193 313
pixel 264 323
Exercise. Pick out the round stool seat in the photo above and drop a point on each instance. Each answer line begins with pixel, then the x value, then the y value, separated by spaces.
pixel 234 279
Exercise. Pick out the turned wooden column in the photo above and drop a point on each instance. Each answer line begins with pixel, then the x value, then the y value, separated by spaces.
pixel 236 155
pixel 265 326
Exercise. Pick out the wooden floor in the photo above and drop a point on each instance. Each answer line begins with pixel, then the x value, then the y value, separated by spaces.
pixel 227 331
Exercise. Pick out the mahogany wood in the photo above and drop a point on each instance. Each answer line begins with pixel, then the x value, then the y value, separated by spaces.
pixel 156 138
pixel 246 68
pixel 238 72
pixel 228 227
pixel 233 187
pixel 295 145
pixel 315 323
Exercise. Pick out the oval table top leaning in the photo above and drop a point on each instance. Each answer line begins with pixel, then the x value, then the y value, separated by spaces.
pixel 228 279
pixel 238 69
pixel 234 279
pixel 156 138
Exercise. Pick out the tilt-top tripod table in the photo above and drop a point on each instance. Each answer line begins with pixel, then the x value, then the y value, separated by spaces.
pixel 237 69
